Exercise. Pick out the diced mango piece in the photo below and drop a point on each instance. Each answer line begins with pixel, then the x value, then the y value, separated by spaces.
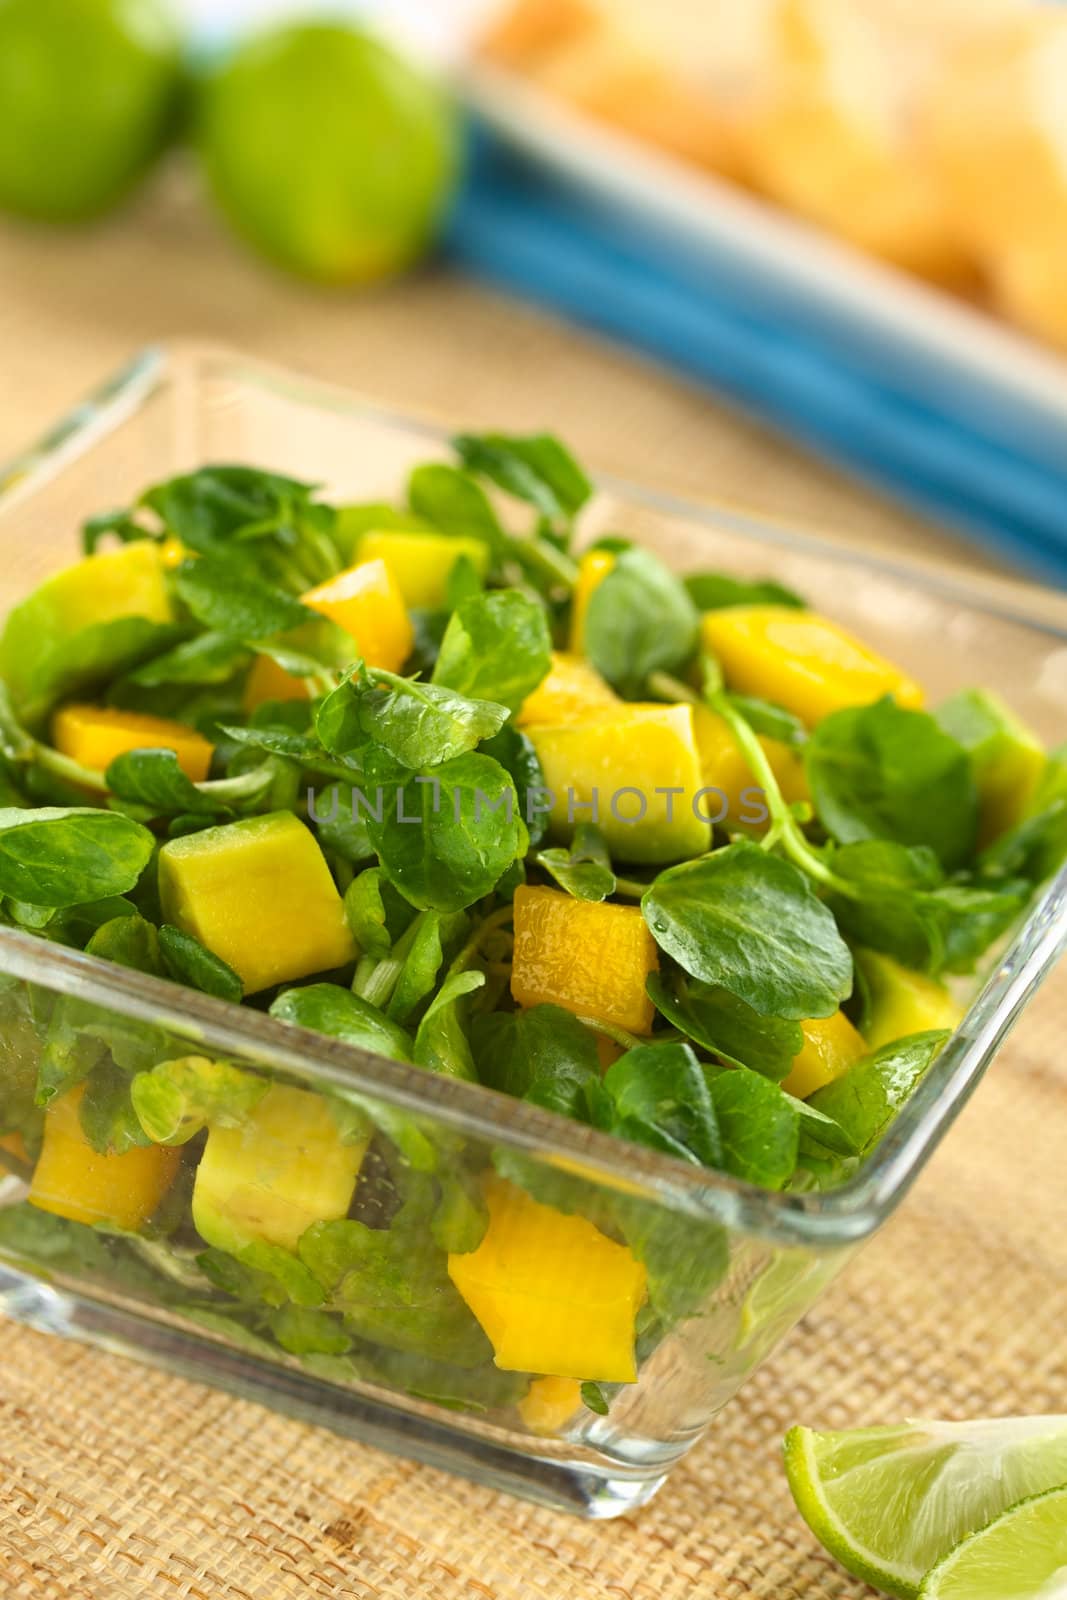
pixel 587 956
pixel 724 767
pixel 1006 758
pixel 549 1403
pixel 592 570
pixel 259 894
pixel 366 602
pixel 73 1180
pixel 268 681
pixel 831 1045
pixel 608 768
pixel 902 1001
pixel 284 1167
pixel 572 689
pixel 553 1293
pixel 801 661
pixel 94 735
pixel 422 563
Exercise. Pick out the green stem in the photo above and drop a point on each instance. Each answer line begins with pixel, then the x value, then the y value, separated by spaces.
pixel 630 889
pixel 70 771
pixel 495 919
pixel 378 988
pixel 246 786
pixel 365 970
pixel 538 555
pixel 628 1041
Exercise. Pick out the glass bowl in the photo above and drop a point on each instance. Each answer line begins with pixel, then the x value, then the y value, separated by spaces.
pixel 744 1264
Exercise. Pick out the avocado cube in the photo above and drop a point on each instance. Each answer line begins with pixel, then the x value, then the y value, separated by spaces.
pixel 422 563
pixel 267 1178
pixel 1006 758
pixel 258 893
pixel 900 1001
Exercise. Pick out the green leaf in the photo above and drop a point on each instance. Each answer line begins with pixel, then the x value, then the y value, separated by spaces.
pixel 176 1099
pixel 496 647
pixel 640 620
pixel 48 669
pixel 536 468
pixel 340 824
pixel 883 772
pixel 209 658
pixel 866 1098
pixel 365 910
pixel 543 1054
pixel 327 1008
pixel 593 1399
pixel 890 910
pixel 418 975
pixel 749 922
pixel 207 507
pixel 154 779
pixel 421 724
pixel 584 870
pixel 710 591
pixel 659 1096
pixel 447 834
pixel 302 1331
pixel 454 502
pixel 107 1115
pixel 64 857
pixel 519 759
pixel 192 963
pixel 727 1026
pixel 759 1125
pixel 231 602
pixel 441 1044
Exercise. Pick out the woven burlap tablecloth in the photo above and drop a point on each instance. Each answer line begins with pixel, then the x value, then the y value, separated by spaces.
pixel 119 1483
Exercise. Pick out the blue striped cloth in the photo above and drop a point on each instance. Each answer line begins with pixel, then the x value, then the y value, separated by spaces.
pixel 982 467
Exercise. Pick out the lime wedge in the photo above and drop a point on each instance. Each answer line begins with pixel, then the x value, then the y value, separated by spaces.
pixel 889 1503
pixel 1020 1556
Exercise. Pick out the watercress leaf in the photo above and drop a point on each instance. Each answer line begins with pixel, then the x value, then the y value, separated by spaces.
pixel 536 468
pixel 65 857
pixel 174 1100
pixel 444 835
pixel 866 1098
pixel 891 911
pixel 454 502
pixel 711 591
pixel 759 1126
pixel 496 647
pixel 441 1044
pixel 231 601
pixel 120 525
pixel 772 721
pixel 47 669
pixel 660 1097
pixel 421 724
pixel 516 754
pixel 884 772
pixel 543 1054
pixel 365 910
pixel 327 1008
pixel 210 658
pixel 971 918
pixel 279 741
pixel 422 963
pixel 584 870
pixel 340 823
pixel 1036 847
pixel 337 716
pixel 749 922
pixel 640 620
pixel 820 1133
pixel 727 1026
pixel 205 508
pixel 154 779
pixel 303 1331
pixel 192 963
pixel 108 1119
pixel 593 1399
pixel 463 583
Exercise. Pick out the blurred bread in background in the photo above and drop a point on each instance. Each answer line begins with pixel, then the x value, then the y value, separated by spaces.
pixel 929 133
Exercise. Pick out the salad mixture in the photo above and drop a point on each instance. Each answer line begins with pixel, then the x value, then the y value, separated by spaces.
pixel 677 859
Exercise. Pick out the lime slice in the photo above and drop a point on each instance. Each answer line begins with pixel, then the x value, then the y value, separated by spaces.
pixel 889 1503
pixel 1020 1556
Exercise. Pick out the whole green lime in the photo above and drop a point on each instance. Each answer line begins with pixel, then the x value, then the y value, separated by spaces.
pixel 328 152
pixel 89 91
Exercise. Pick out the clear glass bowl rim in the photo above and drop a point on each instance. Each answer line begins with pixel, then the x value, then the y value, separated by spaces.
pixel 834 1218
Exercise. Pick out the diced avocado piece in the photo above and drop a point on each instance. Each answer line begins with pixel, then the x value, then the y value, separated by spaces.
pixel 900 1001
pixel 258 893
pixel 266 1179
pixel 621 758
pixel 422 563
pixel 36 659
pixel 1006 758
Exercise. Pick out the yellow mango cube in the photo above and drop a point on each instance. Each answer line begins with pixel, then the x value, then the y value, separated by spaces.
pixel 587 956
pixel 422 563
pixel 259 894
pixel 549 1404
pixel 902 1001
pixel 282 1168
pixel 73 1180
pixel 553 1293
pixel 724 767
pixel 366 602
pixel 94 735
pixel 268 681
pixel 635 771
pixel 831 1046
pixel 801 661
pixel 592 570
pixel 572 689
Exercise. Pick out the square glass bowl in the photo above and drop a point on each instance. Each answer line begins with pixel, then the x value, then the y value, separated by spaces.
pixel 730 1268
